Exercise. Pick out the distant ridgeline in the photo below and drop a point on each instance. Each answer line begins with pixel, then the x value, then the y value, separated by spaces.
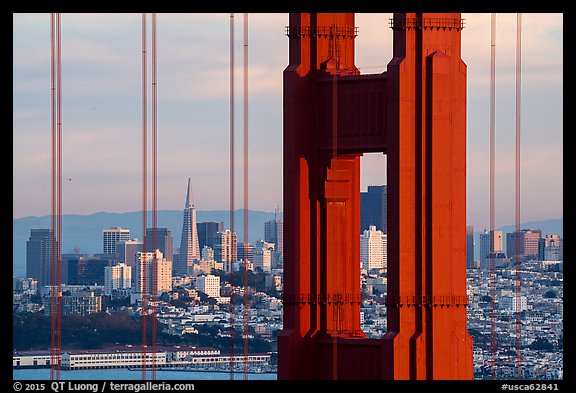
pixel 85 231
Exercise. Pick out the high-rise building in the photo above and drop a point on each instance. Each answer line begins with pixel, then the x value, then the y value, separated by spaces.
pixel 274 233
pixel 112 236
pixel 117 277
pixel 163 241
pixel 373 207
pixel 206 232
pixel 144 276
pixel 225 249
pixel 373 253
pixel 528 240
pixel 39 251
pixel 489 243
pixel 246 251
pixel 126 251
pixel 209 284
pixel 263 255
pixel 469 246
pixel 189 246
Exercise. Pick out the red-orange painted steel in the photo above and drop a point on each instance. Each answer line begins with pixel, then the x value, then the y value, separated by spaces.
pixel 416 114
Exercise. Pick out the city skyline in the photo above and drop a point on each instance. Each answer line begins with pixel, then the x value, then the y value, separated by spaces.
pixel 101 64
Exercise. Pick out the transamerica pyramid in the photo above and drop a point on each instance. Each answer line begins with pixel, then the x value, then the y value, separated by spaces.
pixel 189 248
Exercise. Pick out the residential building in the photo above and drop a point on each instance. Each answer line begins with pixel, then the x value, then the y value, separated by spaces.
pixel 117 277
pixel 209 284
pixel 373 249
pixel 146 279
pixel 225 249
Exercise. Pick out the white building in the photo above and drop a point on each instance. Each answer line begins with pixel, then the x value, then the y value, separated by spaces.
pixel 373 245
pixel 112 236
pixel 263 255
pixel 508 303
pixel 117 277
pixel 209 284
pixel 144 276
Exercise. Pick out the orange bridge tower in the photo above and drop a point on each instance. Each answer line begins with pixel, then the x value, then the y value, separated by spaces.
pixel 415 113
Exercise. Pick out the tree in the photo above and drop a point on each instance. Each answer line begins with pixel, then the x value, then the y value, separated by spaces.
pixel 541 344
pixel 550 295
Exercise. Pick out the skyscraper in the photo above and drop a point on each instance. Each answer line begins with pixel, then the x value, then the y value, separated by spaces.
pixel 373 207
pixel 39 251
pixel 274 233
pixel 189 246
pixel 373 253
pixel 112 236
pixel 489 243
pixel 206 232
pixel 163 241
pixel 126 251
pixel 469 246
pixel 225 248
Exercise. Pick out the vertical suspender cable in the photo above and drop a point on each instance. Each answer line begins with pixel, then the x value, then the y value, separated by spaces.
pixel 517 237
pixel 245 196
pixel 492 162
pixel 143 255
pixel 154 196
pixel 231 263
pixel 53 231
pixel 59 240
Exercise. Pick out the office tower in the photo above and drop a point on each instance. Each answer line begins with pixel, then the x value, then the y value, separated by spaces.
pixel 274 233
pixel 189 246
pixel 39 256
pixel 225 249
pixel 87 270
pixel 373 244
pixel 469 247
pixel 209 284
pixel 117 277
pixel 373 207
pixel 528 240
pixel 126 251
pixel 490 243
pixel 144 274
pixel 245 251
pixel 263 255
pixel 112 236
pixel 206 232
pixel 163 241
